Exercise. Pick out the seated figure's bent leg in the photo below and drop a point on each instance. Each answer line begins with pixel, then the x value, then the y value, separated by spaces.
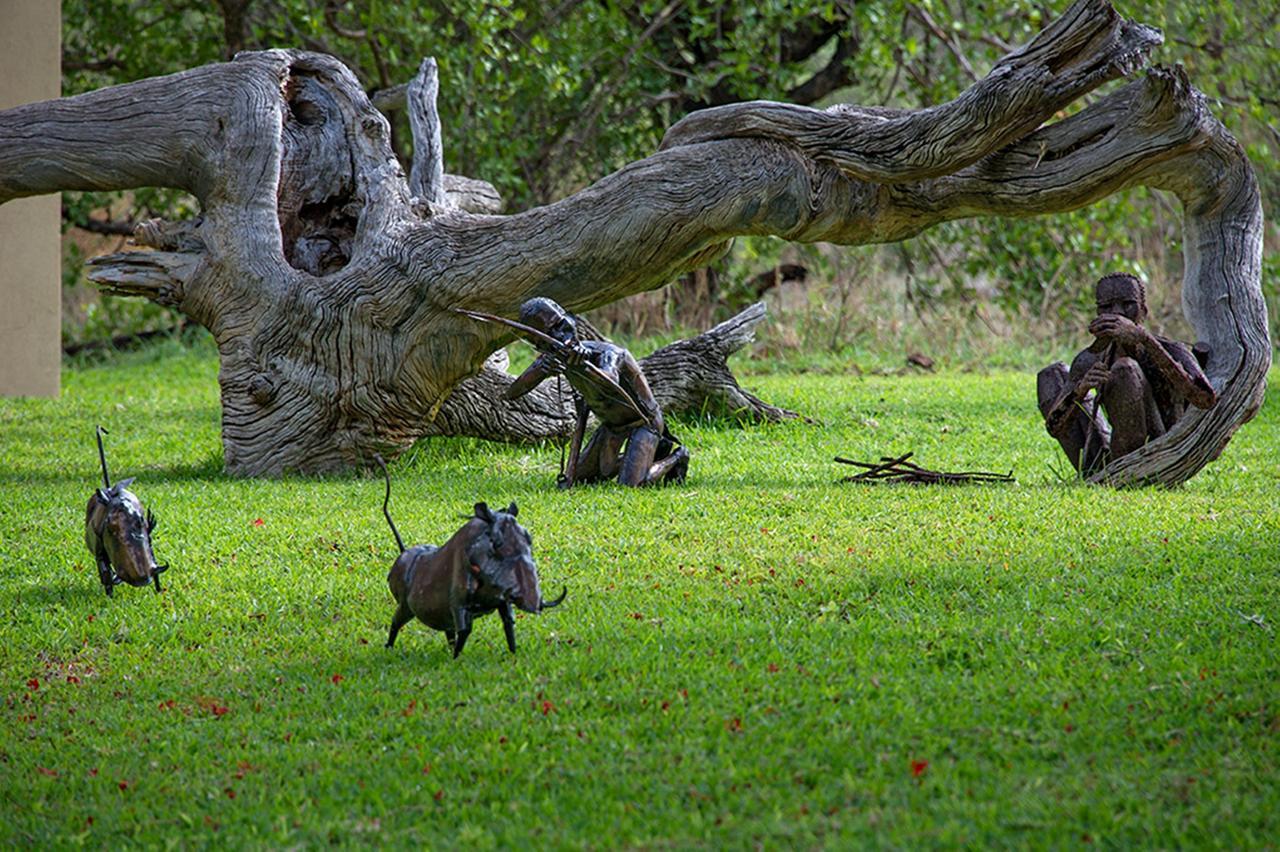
pixel 1130 405
pixel 1050 382
pixel 599 460
pixel 1084 441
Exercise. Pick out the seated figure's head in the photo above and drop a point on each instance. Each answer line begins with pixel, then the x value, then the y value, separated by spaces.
pixel 1123 294
pixel 551 319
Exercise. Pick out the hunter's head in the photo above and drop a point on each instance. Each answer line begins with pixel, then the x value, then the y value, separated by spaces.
pixel 551 319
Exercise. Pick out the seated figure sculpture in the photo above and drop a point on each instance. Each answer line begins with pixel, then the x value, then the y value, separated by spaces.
pixel 1143 382
pixel 625 407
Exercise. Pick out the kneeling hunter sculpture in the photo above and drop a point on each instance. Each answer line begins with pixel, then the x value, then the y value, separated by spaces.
pixel 486 565
pixel 1142 382
pixel 609 383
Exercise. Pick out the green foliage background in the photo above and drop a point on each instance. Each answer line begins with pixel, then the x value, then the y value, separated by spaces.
pixel 543 98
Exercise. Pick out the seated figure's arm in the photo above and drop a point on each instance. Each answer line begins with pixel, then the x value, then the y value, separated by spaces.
pixel 1180 367
pixel 542 367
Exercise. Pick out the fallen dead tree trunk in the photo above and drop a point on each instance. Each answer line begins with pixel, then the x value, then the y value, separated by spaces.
pixel 328 284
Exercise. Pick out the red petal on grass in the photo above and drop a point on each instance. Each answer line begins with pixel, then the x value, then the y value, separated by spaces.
pixel 72 679
pixel 91 618
pixel 547 707
pixel 918 767
pixel 52 773
pixel 231 794
pixel 123 785
pixel 257 522
pixel 337 678
pixel 34 683
pixel 439 795
pixel 426 770
pixel 773 667
pixel 93 773
pixel 666 705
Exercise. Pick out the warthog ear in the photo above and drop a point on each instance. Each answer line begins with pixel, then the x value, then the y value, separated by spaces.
pixel 513 509
pixel 483 513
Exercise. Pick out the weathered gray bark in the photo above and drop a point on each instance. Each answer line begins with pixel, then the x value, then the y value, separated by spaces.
pixel 328 291
pixel 426 178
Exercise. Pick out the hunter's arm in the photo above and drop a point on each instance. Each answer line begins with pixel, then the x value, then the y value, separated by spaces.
pixel 541 368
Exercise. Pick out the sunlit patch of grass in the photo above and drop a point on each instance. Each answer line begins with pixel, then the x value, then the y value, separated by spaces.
pixel 762 655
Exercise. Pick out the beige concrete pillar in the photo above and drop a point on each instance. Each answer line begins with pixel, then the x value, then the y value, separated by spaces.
pixel 30 256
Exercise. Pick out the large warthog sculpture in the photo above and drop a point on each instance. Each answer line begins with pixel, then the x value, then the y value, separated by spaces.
pixel 487 565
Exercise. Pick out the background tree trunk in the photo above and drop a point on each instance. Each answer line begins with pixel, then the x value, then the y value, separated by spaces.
pixel 328 289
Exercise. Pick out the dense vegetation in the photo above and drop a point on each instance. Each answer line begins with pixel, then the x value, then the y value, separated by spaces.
pixel 763 656
pixel 541 99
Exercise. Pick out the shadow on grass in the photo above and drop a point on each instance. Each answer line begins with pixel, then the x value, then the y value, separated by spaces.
pixel 208 470
pixel 63 591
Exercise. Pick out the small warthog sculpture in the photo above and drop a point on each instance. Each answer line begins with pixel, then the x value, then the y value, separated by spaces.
pixel 119 534
pixel 486 565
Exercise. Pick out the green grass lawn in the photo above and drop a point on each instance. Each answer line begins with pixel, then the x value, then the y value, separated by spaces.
pixel 760 656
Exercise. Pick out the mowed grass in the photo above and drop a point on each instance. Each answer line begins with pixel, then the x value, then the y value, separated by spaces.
pixel 762 656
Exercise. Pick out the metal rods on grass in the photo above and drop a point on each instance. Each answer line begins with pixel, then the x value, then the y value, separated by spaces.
pixel 891 469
